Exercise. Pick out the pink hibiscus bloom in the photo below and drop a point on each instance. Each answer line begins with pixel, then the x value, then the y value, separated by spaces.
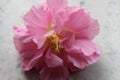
pixel 56 40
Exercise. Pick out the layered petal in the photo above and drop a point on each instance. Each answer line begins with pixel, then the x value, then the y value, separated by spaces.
pixel 40 40
pixel 61 17
pixel 67 62
pixel 81 24
pixel 89 32
pixel 81 61
pixel 53 60
pixel 59 13
pixel 57 73
pixel 67 40
pixel 38 19
pixel 56 5
pixel 83 53
pixel 85 46
pixel 29 54
pixel 78 20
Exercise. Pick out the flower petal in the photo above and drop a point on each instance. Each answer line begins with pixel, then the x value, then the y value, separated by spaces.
pixel 89 32
pixel 34 61
pixel 81 24
pixel 81 61
pixel 56 5
pixel 85 46
pixel 38 19
pixel 83 53
pixel 27 49
pixel 78 19
pixel 59 14
pixel 40 40
pixel 52 60
pixel 61 17
pixel 57 73
pixel 68 39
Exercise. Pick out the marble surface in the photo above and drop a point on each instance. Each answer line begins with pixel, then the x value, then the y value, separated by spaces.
pixel 106 11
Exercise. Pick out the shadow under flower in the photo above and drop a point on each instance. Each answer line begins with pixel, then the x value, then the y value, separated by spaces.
pixel 93 72
pixel 32 75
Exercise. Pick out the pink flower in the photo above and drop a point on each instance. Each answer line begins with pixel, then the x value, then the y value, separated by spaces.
pixel 57 39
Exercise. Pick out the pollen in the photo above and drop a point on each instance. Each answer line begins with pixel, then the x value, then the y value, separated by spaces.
pixel 53 42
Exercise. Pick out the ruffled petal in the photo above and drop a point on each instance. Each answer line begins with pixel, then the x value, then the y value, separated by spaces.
pixel 67 62
pixel 61 17
pixel 57 73
pixel 52 60
pixel 83 53
pixel 68 39
pixel 38 19
pixel 58 23
pixel 89 32
pixel 56 5
pixel 40 40
pixel 34 61
pixel 81 61
pixel 78 20
pixel 85 46
pixel 81 24
pixel 29 54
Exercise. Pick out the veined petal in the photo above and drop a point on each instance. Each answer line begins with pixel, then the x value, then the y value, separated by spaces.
pixel 81 24
pixel 57 73
pixel 59 13
pixel 78 19
pixel 27 48
pixel 40 40
pixel 34 60
pixel 89 32
pixel 38 19
pixel 81 61
pixel 52 60
pixel 83 53
pixel 61 17
pixel 68 39
pixel 87 47
pixel 57 5
pixel 22 34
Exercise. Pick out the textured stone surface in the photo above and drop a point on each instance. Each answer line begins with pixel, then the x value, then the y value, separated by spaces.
pixel 106 11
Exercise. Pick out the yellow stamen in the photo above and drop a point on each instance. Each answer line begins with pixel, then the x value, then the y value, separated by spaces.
pixel 56 42
pixel 57 45
pixel 53 42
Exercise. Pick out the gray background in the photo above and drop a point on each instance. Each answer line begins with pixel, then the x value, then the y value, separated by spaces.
pixel 106 11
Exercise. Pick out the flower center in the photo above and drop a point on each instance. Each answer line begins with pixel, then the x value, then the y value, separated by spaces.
pixel 53 42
